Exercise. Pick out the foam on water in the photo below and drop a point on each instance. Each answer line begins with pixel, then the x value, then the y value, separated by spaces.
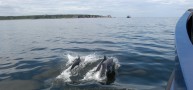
pixel 85 72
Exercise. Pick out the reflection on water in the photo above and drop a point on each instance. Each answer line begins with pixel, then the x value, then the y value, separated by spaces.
pixel 33 52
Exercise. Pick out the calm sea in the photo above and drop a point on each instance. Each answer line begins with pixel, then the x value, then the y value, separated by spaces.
pixel 33 53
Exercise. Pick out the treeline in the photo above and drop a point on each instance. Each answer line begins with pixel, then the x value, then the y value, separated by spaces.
pixel 51 16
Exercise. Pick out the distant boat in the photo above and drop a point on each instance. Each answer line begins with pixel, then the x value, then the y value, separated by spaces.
pixel 181 78
pixel 128 17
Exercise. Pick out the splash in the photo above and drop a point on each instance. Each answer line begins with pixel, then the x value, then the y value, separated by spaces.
pixel 86 70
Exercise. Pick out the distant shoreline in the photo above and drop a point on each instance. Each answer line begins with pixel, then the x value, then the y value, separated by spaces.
pixel 52 16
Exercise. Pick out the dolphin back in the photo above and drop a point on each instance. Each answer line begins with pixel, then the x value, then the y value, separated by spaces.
pixel 76 62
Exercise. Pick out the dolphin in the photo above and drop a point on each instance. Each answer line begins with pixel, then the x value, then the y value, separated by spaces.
pixel 76 62
pixel 107 67
pixel 99 66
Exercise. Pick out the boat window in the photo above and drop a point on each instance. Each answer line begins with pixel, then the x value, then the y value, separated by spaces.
pixel 190 28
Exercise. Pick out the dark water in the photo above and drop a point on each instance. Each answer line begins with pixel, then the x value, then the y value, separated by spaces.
pixel 33 52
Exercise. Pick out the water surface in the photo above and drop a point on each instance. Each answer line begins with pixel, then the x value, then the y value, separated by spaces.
pixel 33 52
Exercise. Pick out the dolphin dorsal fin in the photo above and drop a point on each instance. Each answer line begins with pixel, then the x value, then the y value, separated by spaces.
pixel 78 57
pixel 105 58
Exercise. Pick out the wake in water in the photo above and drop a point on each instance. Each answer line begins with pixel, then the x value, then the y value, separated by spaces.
pixel 89 68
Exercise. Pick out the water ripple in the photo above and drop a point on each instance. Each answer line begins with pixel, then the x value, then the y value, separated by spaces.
pixel 38 49
pixel 143 46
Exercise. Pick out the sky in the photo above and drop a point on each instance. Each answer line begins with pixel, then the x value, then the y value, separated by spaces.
pixel 115 8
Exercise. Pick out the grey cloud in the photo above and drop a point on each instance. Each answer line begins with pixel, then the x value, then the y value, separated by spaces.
pixel 120 8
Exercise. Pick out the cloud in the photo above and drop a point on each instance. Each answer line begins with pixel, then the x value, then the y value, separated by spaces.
pixel 119 8
pixel 168 1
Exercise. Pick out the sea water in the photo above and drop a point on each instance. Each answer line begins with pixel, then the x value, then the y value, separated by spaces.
pixel 34 53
